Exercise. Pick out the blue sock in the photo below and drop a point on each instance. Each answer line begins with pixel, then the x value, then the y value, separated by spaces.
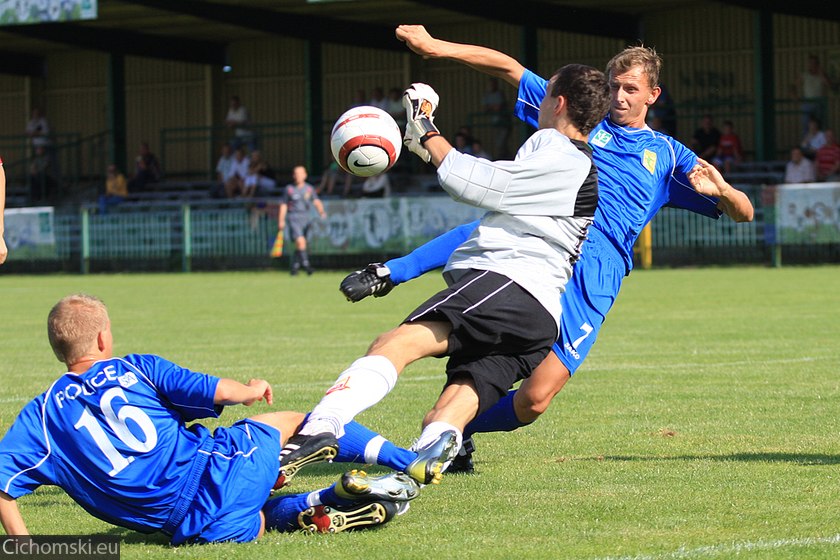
pixel 362 445
pixel 281 514
pixel 501 417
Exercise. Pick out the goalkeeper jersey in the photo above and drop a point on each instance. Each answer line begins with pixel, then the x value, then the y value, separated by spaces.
pixel 114 438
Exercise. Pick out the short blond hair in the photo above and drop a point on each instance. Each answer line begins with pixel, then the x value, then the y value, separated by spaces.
pixel 646 57
pixel 73 325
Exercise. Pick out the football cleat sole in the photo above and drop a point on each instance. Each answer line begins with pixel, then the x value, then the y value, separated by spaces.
pixel 333 519
pixel 295 455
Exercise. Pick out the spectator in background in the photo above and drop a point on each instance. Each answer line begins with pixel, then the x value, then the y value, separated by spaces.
pixel 237 121
pixel 360 98
pixel 235 184
pixel 42 181
pixel 332 175
pixel 799 169
pixel 377 99
pixel 478 150
pixel 299 198
pixel 462 142
pixel 260 176
pixel 38 129
pixel 812 87
pixel 494 104
pixel 378 186
pixel 146 169
pixel 224 168
pixel 395 106
pixel 4 251
pixel 664 111
pixel 828 159
pixel 729 149
pixel 706 139
pixel 116 189
pixel 813 139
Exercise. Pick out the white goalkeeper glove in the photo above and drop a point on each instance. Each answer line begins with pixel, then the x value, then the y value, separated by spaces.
pixel 420 102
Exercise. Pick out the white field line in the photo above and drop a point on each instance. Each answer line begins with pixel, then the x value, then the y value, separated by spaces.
pixel 694 365
pixel 730 549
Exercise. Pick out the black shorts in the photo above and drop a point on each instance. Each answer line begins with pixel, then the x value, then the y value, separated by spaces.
pixel 500 332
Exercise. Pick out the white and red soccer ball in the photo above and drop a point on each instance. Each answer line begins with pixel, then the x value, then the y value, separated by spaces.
pixel 366 141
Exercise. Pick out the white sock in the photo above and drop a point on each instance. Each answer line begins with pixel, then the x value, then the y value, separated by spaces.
pixel 366 382
pixel 432 432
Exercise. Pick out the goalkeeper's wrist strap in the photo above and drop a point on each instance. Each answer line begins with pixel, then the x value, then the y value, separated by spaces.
pixel 428 128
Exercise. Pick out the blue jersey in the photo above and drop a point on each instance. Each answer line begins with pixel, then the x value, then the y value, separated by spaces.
pixel 114 438
pixel 639 171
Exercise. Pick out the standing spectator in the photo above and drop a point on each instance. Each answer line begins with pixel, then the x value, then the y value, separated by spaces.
pixel 42 180
pixel 729 149
pixel 146 169
pixel 706 139
pixel 799 169
pixel 828 159
pixel 116 189
pixel 237 121
pixel 814 138
pixel 239 170
pixel 299 198
pixel 494 104
pixel 812 87
pixel 224 167
pixel 38 129
pixel 4 251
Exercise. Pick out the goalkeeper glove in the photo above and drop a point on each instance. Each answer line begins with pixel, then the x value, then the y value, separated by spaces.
pixel 373 280
pixel 420 102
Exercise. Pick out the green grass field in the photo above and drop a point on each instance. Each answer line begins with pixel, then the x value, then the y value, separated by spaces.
pixel 705 423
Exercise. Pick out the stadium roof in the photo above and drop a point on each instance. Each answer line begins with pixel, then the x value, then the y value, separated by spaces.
pixel 199 31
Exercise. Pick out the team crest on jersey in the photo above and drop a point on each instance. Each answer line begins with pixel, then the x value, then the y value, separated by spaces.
pixel 127 380
pixel 601 138
pixel 649 161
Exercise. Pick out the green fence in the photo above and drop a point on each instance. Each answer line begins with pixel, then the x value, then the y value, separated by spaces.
pixel 233 234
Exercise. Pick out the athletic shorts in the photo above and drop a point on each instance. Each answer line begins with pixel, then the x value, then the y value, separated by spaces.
pixel 240 473
pixel 500 332
pixel 298 226
pixel 589 295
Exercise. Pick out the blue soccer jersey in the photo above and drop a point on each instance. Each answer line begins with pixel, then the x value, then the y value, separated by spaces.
pixel 114 438
pixel 639 171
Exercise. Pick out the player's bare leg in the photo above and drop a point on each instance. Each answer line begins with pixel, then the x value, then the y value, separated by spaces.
pixel 536 392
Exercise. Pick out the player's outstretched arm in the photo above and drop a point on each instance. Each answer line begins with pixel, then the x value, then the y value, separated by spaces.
pixel 10 516
pixel 482 59
pixel 230 392
pixel 706 179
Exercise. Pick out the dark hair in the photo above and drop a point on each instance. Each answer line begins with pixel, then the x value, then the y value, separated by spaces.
pixel 587 93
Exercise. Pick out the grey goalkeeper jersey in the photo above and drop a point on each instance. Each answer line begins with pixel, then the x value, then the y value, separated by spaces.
pixel 539 207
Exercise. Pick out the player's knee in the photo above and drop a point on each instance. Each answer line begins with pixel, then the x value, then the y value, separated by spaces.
pixel 529 407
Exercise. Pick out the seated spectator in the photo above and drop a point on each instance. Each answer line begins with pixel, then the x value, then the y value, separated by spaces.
pixel 332 175
pixel 828 159
pixel 378 186
pixel 395 106
pixel 224 168
pixel 706 139
pixel 235 184
pixel 729 149
pixel 42 181
pixel 462 143
pixel 146 169
pixel 478 150
pixel 258 177
pixel 116 189
pixel 814 138
pixel 38 129
pixel 378 99
pixel 799 169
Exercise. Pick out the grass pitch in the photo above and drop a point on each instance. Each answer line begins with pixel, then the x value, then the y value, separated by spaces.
pixel 703 425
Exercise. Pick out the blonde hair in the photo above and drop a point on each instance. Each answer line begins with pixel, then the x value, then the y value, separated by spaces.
pixel 73 325
pixel 646 57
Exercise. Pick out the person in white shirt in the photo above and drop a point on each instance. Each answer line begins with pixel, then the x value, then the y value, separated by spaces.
pixel 799 169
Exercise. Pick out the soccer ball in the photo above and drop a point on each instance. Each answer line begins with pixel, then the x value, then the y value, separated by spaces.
pixel 366 141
